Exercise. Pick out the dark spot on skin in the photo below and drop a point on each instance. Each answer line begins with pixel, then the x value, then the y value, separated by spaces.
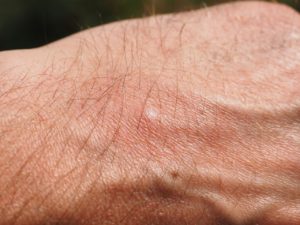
pixel 174 175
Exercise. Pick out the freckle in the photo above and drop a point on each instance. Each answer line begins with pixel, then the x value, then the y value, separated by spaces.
pixel 152 113
pixel 174 174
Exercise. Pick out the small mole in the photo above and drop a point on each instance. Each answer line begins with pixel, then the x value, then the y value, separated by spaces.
pixel 174 174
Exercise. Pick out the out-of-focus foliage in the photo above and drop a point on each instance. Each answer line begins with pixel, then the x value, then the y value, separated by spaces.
pixel 30 23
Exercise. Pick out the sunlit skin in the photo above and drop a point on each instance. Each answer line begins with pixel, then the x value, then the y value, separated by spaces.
pixel 190 118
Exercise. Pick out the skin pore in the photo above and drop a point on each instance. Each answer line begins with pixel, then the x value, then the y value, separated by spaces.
pixel 190 118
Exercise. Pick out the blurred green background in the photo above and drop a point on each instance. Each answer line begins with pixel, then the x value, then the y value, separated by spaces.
pixel 31 23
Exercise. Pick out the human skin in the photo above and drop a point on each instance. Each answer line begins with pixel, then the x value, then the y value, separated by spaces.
pixel 190 118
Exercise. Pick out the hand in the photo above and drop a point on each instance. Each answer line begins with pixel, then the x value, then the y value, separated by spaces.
pixel 191 118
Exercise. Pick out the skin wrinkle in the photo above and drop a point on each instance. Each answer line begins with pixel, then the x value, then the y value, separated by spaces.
pixel 32 157
pixel 77 189
pixel 98 114
pixel 29 199
pixel 131 197
pixel 98 117
pixel 114 163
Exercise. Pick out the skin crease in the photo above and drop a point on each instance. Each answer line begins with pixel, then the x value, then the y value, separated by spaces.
pixel 190 118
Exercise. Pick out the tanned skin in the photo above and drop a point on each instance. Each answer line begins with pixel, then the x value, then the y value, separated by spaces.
pixel 183 119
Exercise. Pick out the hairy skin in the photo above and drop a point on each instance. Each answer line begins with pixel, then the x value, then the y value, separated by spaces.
pixel 191 118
